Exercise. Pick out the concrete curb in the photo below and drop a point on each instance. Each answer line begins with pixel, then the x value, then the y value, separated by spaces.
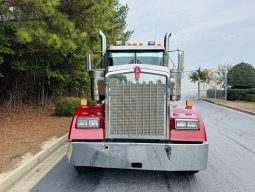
pixel 237 109
pixel 23 169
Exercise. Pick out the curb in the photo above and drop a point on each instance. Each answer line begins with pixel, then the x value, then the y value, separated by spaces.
pixel 38 158
pixel 237 109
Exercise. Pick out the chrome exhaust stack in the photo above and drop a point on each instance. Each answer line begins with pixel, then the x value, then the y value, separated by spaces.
pixel 166 45
pixel 97 75
pixel 103 42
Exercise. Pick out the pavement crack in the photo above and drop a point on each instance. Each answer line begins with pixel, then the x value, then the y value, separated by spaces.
pixel 251 151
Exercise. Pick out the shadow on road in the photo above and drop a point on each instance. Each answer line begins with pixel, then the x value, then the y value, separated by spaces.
pixel 63 177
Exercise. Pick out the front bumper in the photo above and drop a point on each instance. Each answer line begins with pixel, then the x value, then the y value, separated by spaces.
pixel 146 156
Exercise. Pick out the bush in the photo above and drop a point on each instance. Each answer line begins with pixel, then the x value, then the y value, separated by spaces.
pixel 67 106
pixel 250 97
pixel 239 94
pixel 242 76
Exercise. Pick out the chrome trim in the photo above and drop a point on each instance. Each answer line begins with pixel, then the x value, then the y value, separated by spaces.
pixel 151 156
pixel 146 68
pixel 125 98
pixel 97 78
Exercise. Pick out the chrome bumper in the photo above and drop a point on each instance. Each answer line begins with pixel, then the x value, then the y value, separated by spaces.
pixel 146 156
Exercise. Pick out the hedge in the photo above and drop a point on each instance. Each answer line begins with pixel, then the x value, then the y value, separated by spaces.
pixel 250 97
pixel 240 94
pixel 233 94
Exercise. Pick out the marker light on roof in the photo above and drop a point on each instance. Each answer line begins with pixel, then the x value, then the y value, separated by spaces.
pixel 151 42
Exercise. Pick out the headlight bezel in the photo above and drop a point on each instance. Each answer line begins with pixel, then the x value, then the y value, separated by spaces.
pixel 187 124
pixel 87 123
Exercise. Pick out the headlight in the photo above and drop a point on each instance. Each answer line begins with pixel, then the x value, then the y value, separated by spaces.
pixel 87 123
pixel 186 124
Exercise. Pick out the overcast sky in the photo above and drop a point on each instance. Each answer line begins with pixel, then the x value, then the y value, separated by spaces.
pixel 211 32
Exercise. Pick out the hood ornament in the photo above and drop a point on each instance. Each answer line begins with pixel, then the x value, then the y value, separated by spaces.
pixel 137 71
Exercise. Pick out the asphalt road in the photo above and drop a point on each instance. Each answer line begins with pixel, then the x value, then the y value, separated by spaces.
pixel 231 164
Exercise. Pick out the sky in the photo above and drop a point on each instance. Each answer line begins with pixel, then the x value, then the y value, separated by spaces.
pixel 211 32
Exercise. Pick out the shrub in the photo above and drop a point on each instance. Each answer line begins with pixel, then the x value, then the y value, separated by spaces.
pixel 242 76
pixel 67 106
pixel 250 97
pixel 239 94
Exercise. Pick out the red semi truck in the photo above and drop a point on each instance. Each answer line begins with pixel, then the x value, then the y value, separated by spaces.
pixel 135 124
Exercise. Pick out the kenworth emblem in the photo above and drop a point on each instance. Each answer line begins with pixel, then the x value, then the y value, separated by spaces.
pixel 137 71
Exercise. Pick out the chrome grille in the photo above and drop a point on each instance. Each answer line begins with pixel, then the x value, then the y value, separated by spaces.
pixel 136 110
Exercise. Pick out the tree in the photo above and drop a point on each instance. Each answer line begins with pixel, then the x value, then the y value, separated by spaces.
pixel 242 76
pixel 223 69
pixel 91 16
pixel 203 75
pixel 44 44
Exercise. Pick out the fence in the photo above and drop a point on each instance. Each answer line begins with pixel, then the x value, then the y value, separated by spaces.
pixel 216 88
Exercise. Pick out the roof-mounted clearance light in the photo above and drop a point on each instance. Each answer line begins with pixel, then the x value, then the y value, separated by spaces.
pixel 151 43
pixel 135 44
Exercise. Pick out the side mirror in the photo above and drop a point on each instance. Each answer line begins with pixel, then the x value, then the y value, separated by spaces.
pixel 181 61
pixel 89 63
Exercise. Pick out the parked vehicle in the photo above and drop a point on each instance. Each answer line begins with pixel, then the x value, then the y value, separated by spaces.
pixel 135 124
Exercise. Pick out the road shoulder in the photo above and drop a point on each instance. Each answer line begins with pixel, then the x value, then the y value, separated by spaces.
pixel 40 159
pixel 242 106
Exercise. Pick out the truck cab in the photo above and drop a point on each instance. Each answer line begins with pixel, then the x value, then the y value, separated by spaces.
pixel 134 125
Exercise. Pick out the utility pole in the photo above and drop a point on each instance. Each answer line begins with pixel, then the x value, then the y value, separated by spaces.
pixel 198 82
pixel 215 90
pixel 226 84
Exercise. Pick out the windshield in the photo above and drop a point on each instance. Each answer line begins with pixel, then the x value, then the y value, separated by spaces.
pixel 132 57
